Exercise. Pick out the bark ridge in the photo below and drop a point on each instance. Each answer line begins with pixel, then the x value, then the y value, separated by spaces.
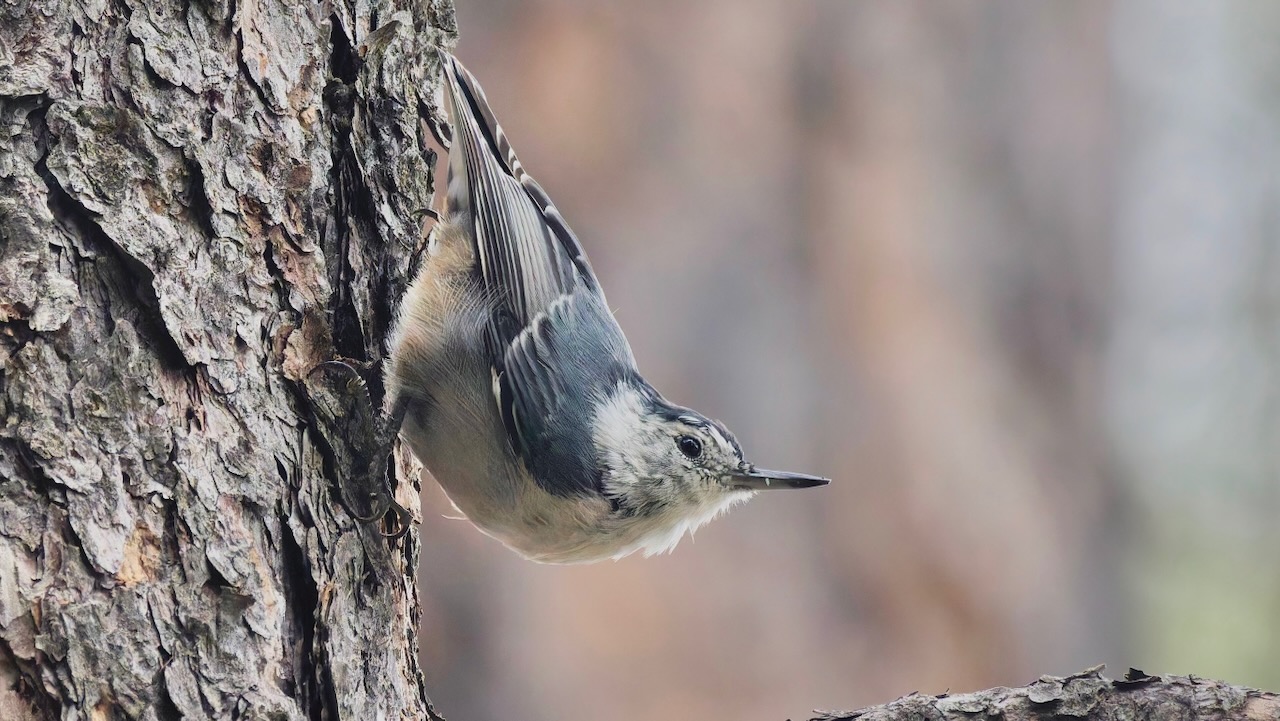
pixel 198 203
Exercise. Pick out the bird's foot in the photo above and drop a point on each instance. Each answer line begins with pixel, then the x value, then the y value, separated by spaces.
pixel 360 442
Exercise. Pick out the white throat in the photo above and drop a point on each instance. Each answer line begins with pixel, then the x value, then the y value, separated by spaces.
pixel 657 506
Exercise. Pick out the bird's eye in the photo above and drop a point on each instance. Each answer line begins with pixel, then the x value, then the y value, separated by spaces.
pixel 690 446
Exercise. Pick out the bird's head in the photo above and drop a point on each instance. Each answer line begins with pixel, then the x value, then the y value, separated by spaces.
pixel 662 459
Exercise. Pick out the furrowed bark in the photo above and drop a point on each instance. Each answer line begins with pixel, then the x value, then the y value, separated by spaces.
pixel 1086 695
pixel 198 203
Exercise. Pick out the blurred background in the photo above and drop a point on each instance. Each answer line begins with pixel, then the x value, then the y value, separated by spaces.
pixel 1008 272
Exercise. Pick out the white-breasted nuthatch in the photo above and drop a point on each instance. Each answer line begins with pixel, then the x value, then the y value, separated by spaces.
pixel 518 390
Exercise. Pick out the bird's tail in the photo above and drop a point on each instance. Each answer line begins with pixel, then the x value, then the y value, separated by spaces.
pixel 476 134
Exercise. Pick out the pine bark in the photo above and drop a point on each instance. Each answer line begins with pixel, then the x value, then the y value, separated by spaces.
pixel 1085 695
pixel 199 202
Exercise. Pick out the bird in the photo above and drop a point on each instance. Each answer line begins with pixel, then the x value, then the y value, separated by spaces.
pixel 514 385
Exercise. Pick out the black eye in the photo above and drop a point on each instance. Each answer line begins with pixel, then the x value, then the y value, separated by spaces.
pixel 690 446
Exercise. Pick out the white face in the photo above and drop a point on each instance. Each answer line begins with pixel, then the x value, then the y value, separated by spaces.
pixel 658 462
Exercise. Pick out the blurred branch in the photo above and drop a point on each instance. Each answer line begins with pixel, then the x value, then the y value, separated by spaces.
pixel 1086 695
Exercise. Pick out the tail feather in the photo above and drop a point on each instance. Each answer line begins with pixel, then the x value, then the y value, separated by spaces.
pixel 476 129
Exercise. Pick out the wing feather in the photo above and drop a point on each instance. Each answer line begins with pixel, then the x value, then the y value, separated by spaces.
pixel 553 344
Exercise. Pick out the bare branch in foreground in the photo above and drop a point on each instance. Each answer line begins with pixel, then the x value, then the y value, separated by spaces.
pixel 1085 695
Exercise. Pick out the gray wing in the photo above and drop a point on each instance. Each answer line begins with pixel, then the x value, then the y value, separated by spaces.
pixel 552 341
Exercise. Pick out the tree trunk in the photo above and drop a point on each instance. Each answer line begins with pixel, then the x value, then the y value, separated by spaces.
pixel 199 202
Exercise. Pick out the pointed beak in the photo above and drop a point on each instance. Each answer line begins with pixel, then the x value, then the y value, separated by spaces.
pixel 750 478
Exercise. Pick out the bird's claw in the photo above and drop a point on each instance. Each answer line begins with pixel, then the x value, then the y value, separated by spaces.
pixel 344 412
pixel 403 517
